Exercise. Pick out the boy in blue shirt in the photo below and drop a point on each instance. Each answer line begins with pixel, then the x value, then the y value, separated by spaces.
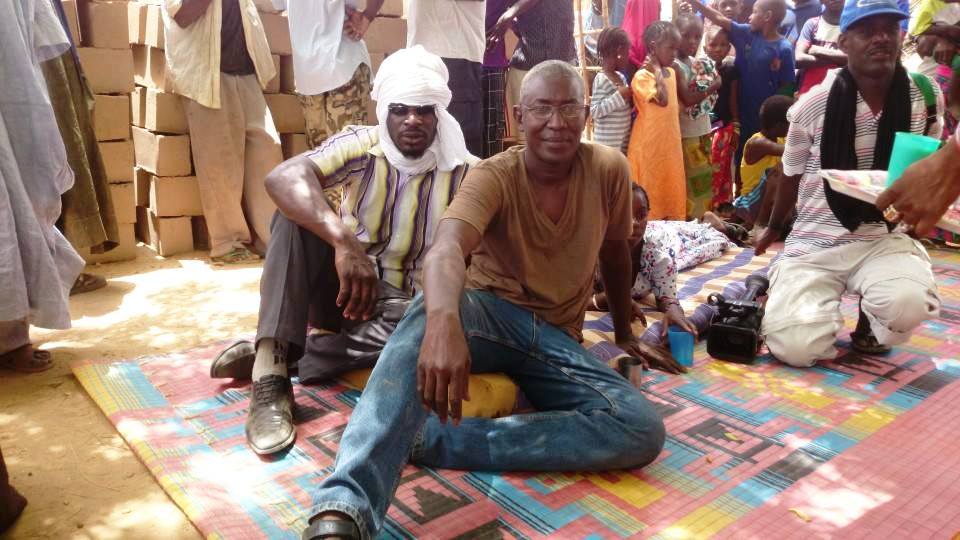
pixel 764 59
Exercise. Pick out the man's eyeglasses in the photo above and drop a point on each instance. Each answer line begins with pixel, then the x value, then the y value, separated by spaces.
pixel 400 109
pixel 570 111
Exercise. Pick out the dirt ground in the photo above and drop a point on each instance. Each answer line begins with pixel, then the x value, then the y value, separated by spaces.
pixel 81 479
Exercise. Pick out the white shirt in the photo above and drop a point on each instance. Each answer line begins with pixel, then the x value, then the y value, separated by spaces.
pixel 324 58
pixel 816 227
pixel 193 53
pixel 448 28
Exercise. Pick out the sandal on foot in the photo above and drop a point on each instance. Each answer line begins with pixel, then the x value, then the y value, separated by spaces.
pixel 331 528
pixel 87 282
pixel 866 343
pixel 237 255
pixel 26 359
pixel 862 339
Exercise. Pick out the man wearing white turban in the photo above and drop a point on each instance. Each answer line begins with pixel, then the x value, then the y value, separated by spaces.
pixel 351 271
pixel 533 221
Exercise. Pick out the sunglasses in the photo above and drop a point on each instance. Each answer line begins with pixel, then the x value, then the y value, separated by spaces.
pixel 570 111
pixel 400 109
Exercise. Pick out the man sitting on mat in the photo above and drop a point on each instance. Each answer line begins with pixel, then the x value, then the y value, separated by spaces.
pixel 535 219
pixel 838 244
pixel 355 272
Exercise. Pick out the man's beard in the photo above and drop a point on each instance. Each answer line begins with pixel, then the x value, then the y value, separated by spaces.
pixel 413 154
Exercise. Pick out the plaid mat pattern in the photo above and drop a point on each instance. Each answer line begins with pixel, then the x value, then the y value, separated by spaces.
pixel 851 448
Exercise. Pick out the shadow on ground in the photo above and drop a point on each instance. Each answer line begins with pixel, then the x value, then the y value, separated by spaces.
pixel 81 479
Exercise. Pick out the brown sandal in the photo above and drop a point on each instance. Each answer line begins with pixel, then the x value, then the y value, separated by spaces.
pixel 87 282
pixel 862 339
pixel 34 362
pixel 238 255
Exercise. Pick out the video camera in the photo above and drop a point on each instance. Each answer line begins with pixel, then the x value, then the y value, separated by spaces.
pixel 735 331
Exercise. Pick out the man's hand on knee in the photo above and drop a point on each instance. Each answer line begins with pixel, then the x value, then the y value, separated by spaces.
pixel 359 282
pixel 443 372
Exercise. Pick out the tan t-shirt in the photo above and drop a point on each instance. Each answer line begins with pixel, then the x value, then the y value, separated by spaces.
pixel 527 259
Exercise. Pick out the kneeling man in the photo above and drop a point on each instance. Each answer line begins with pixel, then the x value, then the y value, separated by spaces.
pixel 838 244
pixel 533 220
pixel 352 272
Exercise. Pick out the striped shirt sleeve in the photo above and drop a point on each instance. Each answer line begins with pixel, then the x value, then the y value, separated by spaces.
pixel 796 151
pixel 605 98
pixel 344 154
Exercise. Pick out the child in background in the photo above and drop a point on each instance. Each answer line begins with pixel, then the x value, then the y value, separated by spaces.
pixel 764 58
pixel 725 117
pixel 611 100
pixel 731 10
pixel 933 23
pixel 936 25
pixel 659 250
pixel 656 158
pixel 817 48
pixel 760 168
pixel 697 85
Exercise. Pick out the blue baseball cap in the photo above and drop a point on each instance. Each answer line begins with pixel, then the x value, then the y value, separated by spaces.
pixel 856 10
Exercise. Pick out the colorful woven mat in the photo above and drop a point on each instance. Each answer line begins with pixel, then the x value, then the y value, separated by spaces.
pixel 853 448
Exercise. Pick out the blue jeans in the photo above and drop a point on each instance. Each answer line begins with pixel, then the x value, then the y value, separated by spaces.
pixel 592 418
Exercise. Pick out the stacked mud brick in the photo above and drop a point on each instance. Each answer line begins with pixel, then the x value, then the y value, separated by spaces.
pixel 167 193
pixel 141 122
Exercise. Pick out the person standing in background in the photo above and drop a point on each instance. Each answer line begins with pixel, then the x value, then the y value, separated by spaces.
pixel 817 50
pixel 697 84
pixel 545 28
pixel 87 218
pixel 495 64
pixel 655 150
pixel 454 31
pixel 798 13
pixel 218 59
pixel 725 115
pixel 38 265
pixel 764 59
pixel 638 16
pixel 611 101
pixel 331 65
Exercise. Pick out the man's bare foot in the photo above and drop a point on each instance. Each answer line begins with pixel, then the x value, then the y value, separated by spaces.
pixel 26 359
pixel 332 525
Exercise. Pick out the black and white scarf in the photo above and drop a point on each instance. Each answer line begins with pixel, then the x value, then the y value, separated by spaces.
pixel 837 149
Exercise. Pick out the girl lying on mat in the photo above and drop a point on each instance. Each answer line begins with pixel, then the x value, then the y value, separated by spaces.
pixel 659 250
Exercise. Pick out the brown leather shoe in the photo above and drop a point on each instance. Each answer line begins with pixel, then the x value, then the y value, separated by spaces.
pixel 234 362
pixel 269 427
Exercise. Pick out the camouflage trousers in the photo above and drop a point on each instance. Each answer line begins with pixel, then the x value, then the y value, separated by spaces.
pixel 328 113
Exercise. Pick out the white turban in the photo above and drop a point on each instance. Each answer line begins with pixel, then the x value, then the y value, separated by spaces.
pixel 414 76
